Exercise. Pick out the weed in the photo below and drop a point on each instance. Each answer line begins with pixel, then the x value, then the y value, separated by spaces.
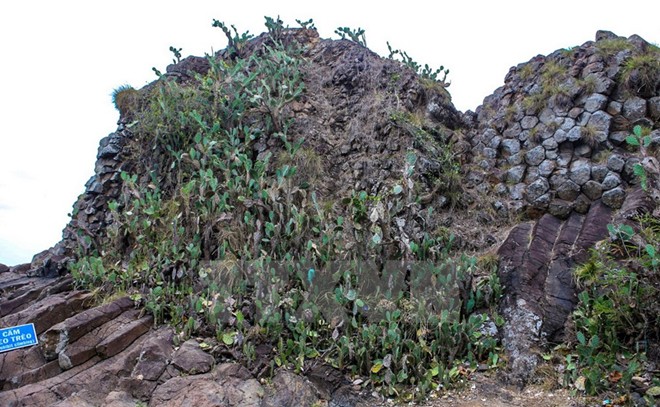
pixel 589 135
pixel 526 72
pixel 640 74
pixel 612 46
pixel 125 98
pixel 589 84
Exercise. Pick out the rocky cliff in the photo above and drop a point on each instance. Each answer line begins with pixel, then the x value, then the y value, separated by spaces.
pixel 533 178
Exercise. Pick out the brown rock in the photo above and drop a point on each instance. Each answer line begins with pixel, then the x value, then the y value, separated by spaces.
pixel 55 339
pixel 228 385
pixel 120 339
pixel 191 359
pixel 289 389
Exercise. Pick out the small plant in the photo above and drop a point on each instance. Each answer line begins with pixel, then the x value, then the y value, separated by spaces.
pixel 425 71
pixel 589 84
pixel 308 25
pixel 353 35
pixel 640 138
pixel 640 74
pixel 235 41
pixel 526 71
pixel 125 98
pixel 613 46
pixel 177 54
pixel 589 135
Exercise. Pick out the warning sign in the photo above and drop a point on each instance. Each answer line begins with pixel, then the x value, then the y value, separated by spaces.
pixel 16 337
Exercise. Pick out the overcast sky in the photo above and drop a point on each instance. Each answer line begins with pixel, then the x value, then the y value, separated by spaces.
pixel 62 59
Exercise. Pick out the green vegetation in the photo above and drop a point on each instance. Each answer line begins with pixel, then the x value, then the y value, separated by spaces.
pixel 640 139
pixel 223 240
pixel 553 76
pixel 617 315
pixel 352 34
pixel 640 74
pixel 425 72
pixel 613 46
pixel 126 99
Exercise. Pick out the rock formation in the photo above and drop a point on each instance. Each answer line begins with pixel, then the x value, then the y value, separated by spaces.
pixel 548 147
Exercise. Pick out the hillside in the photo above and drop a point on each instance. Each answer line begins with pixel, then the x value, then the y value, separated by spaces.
pixel 299 220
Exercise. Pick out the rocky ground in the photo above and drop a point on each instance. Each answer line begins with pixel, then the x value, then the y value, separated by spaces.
pixel 110 354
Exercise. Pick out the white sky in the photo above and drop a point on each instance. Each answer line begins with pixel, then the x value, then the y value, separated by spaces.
pixel 62 59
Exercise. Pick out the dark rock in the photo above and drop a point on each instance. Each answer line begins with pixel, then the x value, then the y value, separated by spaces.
pixel 560 208
pixel 618 137
pixel 605 35
pixel 583 150
pixel 535 156
pixel 510 147
pixel 550 144
pixel 515 174
pixel 513 131
pixel 614 197
pixel 528 122
pixel 614 108
pixel 583 119
pixel 574 134
pixel 547 167
pixel 518 191
pixel 580 171
pixel 634 108
pixel 612 180
pixel 558 178
pixel 535 267
pixel 592 189
pixel 595 102
pixel 3 268
pixel 191 359
pixel 654 108
pixel 515 159
pixel 568 191
pixel 188 67
pixel 582 204
pixel 536 189
pixel 598 172
pixel 532 174
pixel 560 136
pixel 567 124
pixel 576 111
pixel 615 162
pixel 494 142
pixel 600 121
pixel 628 170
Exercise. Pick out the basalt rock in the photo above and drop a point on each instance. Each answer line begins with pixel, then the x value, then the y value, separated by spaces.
pixel 551 150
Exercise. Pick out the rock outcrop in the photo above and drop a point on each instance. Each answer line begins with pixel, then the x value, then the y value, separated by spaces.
pixel 549 146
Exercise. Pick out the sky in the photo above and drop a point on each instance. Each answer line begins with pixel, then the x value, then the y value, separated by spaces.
pixel 62 59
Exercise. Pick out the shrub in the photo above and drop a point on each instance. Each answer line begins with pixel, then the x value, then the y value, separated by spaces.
pixel 126 99
pixel 640 74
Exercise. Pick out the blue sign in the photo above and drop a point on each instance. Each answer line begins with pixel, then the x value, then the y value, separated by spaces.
pixel 17 337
